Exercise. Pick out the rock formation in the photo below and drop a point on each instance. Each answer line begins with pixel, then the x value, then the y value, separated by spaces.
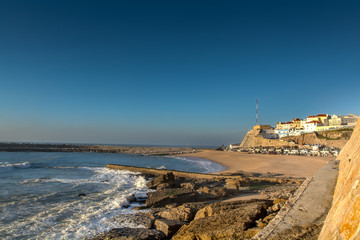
pixel 343 220
pixel 332 138
pixel 187 205
pixel 234 220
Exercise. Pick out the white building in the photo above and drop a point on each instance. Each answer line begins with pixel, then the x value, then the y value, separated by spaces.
pixel 338 120
pixel 282 132
pixel 311 126
pixel 348 120
pixel 335 120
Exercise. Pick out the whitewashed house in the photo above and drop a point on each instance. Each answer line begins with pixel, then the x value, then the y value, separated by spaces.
pixel 311 126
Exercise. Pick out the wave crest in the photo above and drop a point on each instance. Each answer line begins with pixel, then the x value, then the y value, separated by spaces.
pixel 5 165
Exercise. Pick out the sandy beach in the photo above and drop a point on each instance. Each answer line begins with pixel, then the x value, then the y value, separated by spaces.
pixel 288 165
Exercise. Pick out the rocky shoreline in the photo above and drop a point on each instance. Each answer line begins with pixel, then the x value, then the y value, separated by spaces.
pixel 204 206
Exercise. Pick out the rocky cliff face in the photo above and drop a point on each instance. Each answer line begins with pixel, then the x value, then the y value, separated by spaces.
pixel 253 139
pixel 343 220
pixel 331 138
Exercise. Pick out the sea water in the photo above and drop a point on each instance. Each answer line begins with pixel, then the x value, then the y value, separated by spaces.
pixel 73 195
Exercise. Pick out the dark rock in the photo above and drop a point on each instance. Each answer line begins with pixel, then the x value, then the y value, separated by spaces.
pixel 131 198
pixel 130 234
pixel 168 227
pixel 143 218
pixel 139 207
pixel 162 186
pixel 176 196
pixel 82 195
pixel 167 178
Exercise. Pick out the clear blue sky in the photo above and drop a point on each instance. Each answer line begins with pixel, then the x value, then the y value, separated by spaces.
pixel 172 72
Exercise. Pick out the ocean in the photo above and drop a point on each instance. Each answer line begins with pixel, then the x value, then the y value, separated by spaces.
pixel 72 195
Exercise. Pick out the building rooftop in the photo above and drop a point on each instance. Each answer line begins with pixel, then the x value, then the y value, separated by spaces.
pixel 314 122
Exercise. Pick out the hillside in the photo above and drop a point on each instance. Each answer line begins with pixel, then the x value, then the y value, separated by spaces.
pixel 331 138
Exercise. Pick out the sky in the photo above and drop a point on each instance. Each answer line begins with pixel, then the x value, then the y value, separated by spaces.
pixel 172 72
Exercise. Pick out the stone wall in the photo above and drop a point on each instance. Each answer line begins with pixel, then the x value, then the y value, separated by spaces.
pixel 343 220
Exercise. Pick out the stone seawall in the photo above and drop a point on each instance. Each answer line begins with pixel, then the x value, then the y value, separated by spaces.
pixel 343 220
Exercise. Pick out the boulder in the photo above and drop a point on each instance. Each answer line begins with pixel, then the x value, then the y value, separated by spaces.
pixel 167 179
pixel 215 192
pixel 168 227
pixel 188 185
pixel 233 184
pixel 130 234
pixel 181 213
pixel 276 207
pixel 176 197
pixel 140 218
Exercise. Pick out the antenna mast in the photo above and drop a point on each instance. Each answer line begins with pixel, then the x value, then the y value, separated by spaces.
pixel 257 112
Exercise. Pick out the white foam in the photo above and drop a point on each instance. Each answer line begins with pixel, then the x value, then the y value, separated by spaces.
pixel 14 165
pixel 84 216
pixel 209 166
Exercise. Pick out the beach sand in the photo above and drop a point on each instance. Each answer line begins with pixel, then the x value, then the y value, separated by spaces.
pixel 288 165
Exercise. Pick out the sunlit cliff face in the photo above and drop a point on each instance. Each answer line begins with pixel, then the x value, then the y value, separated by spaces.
pixel 343 220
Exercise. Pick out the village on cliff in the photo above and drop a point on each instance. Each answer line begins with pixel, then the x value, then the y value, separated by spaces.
pixel 320 122
pixel 286 138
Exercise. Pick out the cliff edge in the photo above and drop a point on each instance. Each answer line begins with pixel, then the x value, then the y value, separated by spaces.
pixel 343 220
pixel 331 138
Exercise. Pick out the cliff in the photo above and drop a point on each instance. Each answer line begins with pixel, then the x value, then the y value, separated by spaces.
pixel 332 138
pixel 253 138
pixel 343 220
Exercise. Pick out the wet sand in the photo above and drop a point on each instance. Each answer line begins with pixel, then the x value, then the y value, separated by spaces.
pixel 288 165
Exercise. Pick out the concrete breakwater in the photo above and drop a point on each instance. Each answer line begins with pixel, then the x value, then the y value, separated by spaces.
pixel 144 150
pixel 190 175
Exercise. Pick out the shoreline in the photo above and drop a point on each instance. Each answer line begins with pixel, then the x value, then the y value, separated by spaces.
pixel 286 165
pixel 283 165
pixel 179 203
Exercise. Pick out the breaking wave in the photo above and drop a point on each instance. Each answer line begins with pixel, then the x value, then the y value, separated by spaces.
pixel 80 216
pixel 209 166
pixel 4 165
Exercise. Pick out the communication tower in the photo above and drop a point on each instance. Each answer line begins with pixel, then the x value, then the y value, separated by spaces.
pixel 257 112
